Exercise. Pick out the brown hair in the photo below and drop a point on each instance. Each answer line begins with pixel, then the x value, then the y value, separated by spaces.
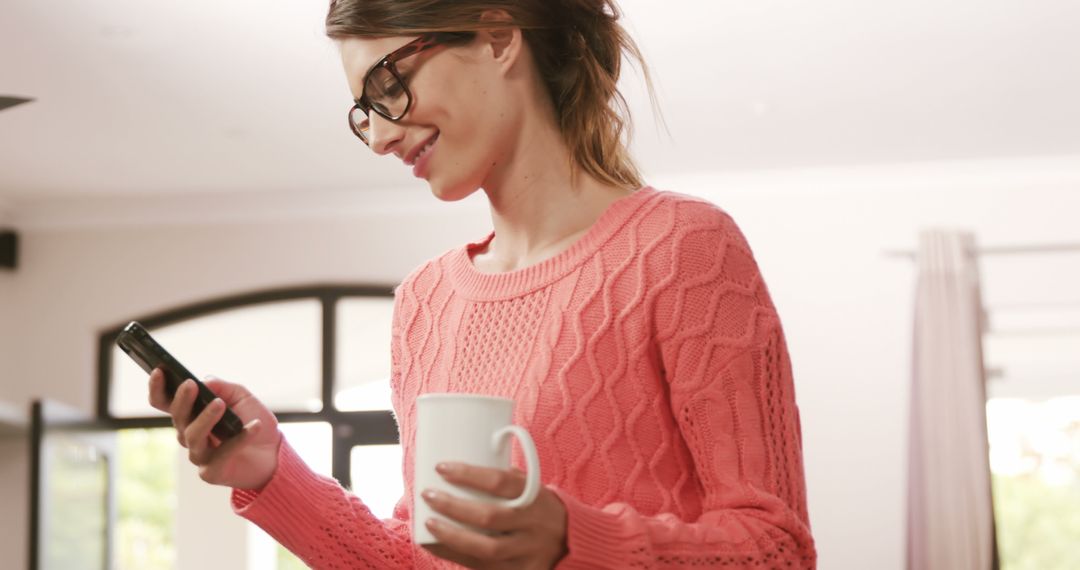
pixel 578 47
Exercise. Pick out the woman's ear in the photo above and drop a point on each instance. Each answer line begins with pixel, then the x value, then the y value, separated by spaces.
pixel 503 44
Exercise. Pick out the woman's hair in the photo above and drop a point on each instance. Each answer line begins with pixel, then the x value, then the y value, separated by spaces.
pixel 578 47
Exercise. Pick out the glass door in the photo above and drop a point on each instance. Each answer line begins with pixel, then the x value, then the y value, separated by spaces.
pixel 72 470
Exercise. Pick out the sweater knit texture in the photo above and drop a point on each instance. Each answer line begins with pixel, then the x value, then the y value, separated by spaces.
pixel 648 363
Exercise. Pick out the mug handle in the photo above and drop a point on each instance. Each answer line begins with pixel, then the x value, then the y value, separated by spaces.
pixel 532 462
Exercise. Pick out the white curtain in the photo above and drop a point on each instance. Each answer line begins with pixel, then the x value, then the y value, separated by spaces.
pixel 950 509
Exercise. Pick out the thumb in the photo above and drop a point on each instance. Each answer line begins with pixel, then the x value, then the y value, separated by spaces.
pixel 227 391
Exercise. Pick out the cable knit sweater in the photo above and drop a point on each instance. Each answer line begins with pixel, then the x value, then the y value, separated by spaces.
pixel 650 367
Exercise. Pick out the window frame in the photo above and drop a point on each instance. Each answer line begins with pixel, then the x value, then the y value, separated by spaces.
pixel 349 428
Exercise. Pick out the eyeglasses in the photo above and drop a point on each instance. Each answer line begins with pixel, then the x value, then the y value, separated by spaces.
pixel 384 90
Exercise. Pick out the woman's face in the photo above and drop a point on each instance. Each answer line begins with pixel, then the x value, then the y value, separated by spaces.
pixel 459 126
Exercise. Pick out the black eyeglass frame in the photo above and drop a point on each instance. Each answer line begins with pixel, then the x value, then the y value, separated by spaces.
pixel 422 43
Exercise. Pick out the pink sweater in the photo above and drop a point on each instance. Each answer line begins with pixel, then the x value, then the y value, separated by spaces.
pixel 648 363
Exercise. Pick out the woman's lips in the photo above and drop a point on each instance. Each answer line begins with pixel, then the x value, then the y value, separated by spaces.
pixel 420 166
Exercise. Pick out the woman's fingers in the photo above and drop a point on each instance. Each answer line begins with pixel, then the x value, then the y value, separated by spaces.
pixel 251 431
pixel 247 461
pixel 158 399
pixel 472 513
pixel 180 408
pixel 197 433
pixel 233 394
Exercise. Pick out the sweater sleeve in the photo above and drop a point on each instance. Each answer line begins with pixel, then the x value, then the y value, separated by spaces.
pixel 723 356
pixel 320 522
pixel 324 524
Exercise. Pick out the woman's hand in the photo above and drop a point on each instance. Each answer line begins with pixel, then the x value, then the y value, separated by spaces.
pixel 246 461
pixel 528 538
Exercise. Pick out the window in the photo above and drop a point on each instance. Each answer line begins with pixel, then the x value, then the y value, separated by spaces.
pixel 363 325
pixel 1033 426
pixel 318 357
pixel 273 348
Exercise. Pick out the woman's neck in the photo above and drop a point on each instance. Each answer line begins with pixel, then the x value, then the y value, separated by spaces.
pixel 535 210
pixel 541 216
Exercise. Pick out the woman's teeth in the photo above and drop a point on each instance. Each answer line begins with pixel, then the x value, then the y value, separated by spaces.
pixel 426 148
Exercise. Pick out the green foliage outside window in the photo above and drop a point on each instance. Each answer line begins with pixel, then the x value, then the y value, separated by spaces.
pixel 1035 462
pixel 1038 524
pixel 146 499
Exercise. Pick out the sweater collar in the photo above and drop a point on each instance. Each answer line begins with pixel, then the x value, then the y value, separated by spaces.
pixel 471 283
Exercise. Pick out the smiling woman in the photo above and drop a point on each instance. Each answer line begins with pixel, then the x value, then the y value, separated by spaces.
pixel 630 326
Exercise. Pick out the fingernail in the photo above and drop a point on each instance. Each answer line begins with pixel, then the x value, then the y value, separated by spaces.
pixel 446 468
pixel 253 425
pixel 217 404
pixel 430 495
pixel 433 523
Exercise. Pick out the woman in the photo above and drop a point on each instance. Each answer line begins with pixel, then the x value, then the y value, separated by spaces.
pixel 631 326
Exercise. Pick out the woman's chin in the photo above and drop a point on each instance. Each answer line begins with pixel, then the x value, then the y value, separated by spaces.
pixel 451 192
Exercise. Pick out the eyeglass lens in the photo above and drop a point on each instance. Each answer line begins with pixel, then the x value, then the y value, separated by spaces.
pixel 385 94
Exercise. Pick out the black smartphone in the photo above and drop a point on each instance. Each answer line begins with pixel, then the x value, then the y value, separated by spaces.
pixel 148 354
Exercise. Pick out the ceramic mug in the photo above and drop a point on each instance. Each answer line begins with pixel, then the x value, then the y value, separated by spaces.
pixel 466 428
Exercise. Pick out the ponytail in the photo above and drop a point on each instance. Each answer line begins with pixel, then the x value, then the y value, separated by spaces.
pixel 582 78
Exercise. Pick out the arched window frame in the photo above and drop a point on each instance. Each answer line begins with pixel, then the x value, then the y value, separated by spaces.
pixel 349 428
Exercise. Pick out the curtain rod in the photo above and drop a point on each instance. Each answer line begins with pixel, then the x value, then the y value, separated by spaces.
pixel 1005 250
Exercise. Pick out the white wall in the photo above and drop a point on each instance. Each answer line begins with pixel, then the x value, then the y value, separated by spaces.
pixel 14 450
pixel 818 235
pixel 7 328
pixel 14 487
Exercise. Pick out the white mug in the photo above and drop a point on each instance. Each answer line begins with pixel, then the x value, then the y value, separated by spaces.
pixel 470 429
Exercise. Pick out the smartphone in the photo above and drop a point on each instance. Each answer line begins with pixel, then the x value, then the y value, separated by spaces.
pixel 148 354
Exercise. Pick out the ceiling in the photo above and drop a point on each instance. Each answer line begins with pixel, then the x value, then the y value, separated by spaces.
pixel 205 102
pixel 171 96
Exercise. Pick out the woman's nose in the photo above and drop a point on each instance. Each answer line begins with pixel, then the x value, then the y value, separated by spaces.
pixel 384 133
